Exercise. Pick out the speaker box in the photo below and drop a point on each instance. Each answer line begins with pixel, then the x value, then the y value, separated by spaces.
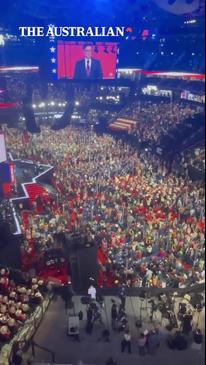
pixel 65 120
pixel 30 119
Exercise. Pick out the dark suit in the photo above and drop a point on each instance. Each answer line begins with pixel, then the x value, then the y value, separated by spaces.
pixel 95 71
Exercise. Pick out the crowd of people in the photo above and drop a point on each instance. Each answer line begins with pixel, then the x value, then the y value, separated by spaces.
pixel 192 158
pixel 148 341
pixel 148 223
pixel 154 120
pixel 19 296
pixel 6 216
pixel 14 87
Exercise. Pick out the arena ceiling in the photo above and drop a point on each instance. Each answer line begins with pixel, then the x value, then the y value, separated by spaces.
pixel 99 11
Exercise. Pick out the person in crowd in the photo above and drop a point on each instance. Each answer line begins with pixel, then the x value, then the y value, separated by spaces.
pixel 92 292
pixel 67 294
pixel 177 342
pixel 123 296
pixel 126 342
pixel 197 340
pixel 142 341
pixel 89 326
pixel 17 357
pixel 122 321
pixel 114 315
pixel 187 323
pixel 153 342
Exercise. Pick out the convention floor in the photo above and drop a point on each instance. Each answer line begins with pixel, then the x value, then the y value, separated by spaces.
pixel 92 350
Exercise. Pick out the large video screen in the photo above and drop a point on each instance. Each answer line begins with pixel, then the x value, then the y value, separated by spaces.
pixel 87 61
pixel 2 148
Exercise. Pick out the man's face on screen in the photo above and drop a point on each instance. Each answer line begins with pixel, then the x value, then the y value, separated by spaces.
pixel 88 52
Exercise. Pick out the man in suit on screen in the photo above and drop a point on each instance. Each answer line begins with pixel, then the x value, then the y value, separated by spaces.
pixel 88 68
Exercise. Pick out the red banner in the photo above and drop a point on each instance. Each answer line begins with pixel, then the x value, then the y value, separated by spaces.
pixel 7 105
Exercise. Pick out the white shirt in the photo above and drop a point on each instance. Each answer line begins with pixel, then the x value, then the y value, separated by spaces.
pixel 127 337
pixel 92 292
pixel 88 61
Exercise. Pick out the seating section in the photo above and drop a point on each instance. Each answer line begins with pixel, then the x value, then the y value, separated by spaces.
pixel 19 297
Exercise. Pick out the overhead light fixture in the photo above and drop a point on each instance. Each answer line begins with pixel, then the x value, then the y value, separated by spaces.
pixel 191 21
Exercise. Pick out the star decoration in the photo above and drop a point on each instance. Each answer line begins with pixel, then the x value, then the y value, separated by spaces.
pixel 54 71
pixel 53 60
pixel 52 49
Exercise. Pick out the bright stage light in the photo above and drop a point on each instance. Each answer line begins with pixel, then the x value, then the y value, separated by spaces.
pixel 2 41
pixel 42 105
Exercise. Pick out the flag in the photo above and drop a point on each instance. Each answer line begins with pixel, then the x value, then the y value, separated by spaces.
pixel 122 124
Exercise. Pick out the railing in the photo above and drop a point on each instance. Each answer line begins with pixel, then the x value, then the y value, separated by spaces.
pixel 25 335
pixel 34 345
